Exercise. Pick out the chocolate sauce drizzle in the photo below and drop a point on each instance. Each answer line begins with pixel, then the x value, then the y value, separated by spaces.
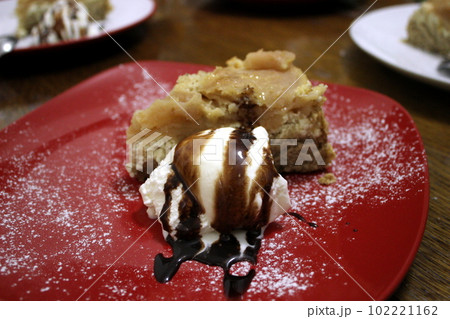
pixel 224 252
pixel 300 217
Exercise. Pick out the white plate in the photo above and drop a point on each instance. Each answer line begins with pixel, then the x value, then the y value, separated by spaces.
pixel 381 34
pixel 124 15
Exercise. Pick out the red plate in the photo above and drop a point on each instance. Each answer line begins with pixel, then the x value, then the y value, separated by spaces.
pixel 73 224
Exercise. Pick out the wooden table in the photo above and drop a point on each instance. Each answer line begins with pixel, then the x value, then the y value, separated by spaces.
pixel 210 32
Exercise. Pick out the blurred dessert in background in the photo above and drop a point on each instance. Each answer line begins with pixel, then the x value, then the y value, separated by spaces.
pixel 429 27
pixel 52 21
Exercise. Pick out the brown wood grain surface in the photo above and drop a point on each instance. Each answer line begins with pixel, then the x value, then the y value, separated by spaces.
pixel 210 32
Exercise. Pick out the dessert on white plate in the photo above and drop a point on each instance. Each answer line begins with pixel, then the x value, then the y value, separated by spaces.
pixel 53 21
pixel 429 27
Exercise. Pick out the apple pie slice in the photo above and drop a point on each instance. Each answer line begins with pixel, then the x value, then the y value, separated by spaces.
pixel 265 89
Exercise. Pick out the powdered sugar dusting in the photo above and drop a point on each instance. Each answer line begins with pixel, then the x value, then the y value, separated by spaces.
pixel 380 160
pixel 373 153
pixel 63 203
pixel 141 92
pixel 275 277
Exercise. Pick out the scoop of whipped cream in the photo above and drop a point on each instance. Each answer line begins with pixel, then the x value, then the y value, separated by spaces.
pixel 216 180
pixel 64 20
